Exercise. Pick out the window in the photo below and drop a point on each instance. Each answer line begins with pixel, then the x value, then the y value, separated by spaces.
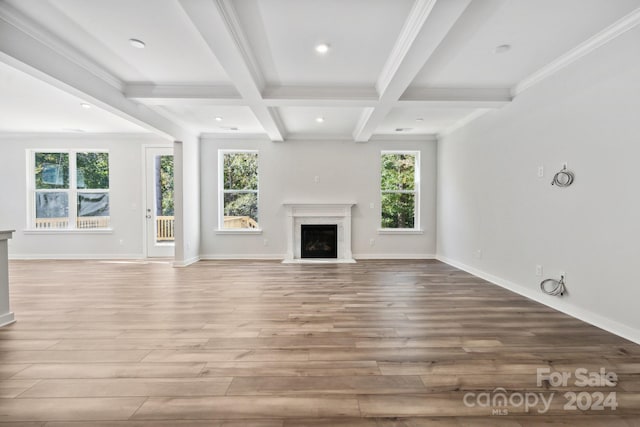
pixel 70 189
pixel 238 190
pixel 400 189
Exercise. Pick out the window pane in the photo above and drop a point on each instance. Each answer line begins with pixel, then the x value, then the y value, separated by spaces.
pixel 93 170
pixel 164 186
pixel 240 210
pixel 93 210
pixel 52 170
pixel 398 210
pixel 398 172
pixel 52 210
pixel 241 171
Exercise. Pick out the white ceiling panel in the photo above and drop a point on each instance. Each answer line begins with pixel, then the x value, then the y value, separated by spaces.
pixel 283 34
pixel 30 105
pixel 335 120
pixel 421 120
pixel 202 118
pixel 174 53
pixel 537 31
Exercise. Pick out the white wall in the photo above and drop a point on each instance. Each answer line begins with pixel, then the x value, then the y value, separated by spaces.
pixel 347 171
pixel 490 198
pixel 126 198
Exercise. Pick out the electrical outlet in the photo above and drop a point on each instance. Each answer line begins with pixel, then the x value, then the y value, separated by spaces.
pixel 316 179
pixel 371 205
pixel 372 242
pixel 539 270
pixel 265 242
pixel 479 253
pixel 540 171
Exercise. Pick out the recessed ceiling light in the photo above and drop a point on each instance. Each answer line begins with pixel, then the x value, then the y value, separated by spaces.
pixel 403 129
pixel 218 119
pixel 138 44
pixel 85 105
pixel 419 119
pixel 503 48
pixel 322 48
pixel 320 119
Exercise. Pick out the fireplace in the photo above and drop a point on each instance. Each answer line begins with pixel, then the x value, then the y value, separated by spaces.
pixel 332 224
pixel 319 241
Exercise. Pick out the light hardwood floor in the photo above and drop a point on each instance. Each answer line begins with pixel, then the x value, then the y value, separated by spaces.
pixel 240 343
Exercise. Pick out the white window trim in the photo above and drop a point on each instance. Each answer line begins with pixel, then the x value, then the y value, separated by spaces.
pixel 416 191
pixel 72 190
pixel 221 192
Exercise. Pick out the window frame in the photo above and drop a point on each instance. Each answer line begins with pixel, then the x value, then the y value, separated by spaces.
pixel 72 192
pixel 222 191
pixel 416 192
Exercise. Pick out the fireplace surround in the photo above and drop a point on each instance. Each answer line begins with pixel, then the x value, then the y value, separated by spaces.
pixel 329 214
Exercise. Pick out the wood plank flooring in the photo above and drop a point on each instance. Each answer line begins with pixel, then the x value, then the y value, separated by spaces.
pixel 264 344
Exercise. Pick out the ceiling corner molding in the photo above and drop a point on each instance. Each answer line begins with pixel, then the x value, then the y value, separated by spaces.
pixel 418 137
pixel 28 26
pixel 464 121
pixel 417 16
pixel 260 137
pixel 228 12
pixel 610 33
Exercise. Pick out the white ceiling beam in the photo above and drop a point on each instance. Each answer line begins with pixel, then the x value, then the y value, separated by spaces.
pixel 427 25
pixel 324 96
pixel 218 25
pixel 456 97
pixel 152 94
pixel 26 46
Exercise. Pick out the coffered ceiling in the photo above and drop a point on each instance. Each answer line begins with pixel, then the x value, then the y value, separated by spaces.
pixel 401 68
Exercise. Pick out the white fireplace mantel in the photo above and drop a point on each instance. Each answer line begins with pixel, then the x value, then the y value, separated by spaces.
pixel 318 213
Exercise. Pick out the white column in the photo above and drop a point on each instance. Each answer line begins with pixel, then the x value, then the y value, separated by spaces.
pixel 6 316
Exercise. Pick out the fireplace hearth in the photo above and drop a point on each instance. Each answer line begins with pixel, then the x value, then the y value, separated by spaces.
pixel 319 241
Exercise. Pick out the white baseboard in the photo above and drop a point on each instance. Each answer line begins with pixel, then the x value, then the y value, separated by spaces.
pixel 73 256
pixel 394 256
pixel 186 262
pixel 257 257
pixel 7 319
pixel 556 303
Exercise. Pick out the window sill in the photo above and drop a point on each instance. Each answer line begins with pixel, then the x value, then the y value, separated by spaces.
pixel 400 231
pixel 68 231
pixel 238 231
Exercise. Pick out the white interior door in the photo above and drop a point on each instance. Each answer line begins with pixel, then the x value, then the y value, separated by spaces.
pixel 159 202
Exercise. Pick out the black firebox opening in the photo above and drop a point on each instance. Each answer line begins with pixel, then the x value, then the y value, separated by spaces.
pixel 319 241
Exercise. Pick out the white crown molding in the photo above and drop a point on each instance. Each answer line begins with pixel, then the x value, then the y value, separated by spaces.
pixel 610 33
pixel 149 136
pixel 417 17
pixel 464 121
pixel 27 25
pixel 418 137
pixel 592 318
pixel 260 137
pixel 456 97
